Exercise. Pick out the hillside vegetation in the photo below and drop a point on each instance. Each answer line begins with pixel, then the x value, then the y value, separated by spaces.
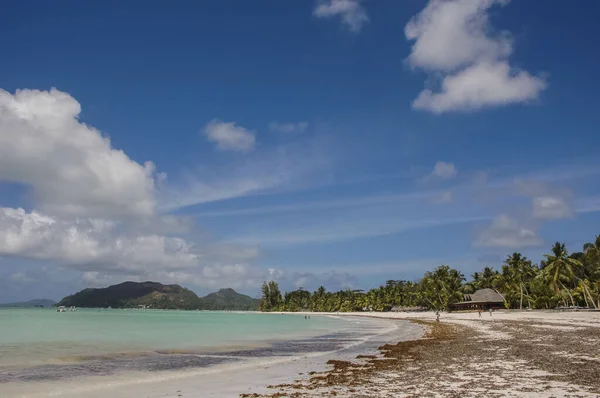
pixel 159 296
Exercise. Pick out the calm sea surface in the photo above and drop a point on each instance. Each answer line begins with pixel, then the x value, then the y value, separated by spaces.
pixel 43 345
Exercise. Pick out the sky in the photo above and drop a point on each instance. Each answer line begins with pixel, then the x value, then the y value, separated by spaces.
pixel 331 142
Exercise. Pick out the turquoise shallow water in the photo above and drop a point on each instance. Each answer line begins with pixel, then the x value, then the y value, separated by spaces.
pixel 109 353
pixel 34 338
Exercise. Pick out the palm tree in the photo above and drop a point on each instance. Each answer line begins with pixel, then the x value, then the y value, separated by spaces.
pixel 560 269
pixel 592 266
pixel 542 296
pixel 487 278
pixel 317 302
pixel 441 287
pixel 591 258
pixel 271 297
pixel 593 248
pixel 583 290
pixel 517 274
pixel 362 301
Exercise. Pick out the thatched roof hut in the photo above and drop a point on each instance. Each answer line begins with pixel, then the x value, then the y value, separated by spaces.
pixel 483 299
pixel 489 295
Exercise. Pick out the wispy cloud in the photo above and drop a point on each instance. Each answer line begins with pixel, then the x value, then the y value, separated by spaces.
pixel 404 268
pixel 588 204
pixel 268 170
pixel 352 13
pixel 230 136
pixel 321 205
pixel 444 197
pixel 355 217
pixel 250 179
pixel 535 182
pixel 288 128
pixel 531 200
pixel 334 231
pixel 551 208
pixel 508 232
pixel 560 173
pixel 444 170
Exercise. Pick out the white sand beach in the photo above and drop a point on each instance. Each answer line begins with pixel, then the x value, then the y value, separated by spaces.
pixel 505 354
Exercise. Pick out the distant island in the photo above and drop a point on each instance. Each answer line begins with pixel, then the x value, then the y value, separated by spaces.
pixel 229 299
pixel 30 303
pixel 158 296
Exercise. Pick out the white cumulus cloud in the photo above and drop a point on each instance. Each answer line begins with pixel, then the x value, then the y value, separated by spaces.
pixel 481 85
pixel 229 136
pixel 70 167
pixel 352 13
pixel 453 34
pixel 97 211
pixel 108 254
pixel 455 40
pixel 86 243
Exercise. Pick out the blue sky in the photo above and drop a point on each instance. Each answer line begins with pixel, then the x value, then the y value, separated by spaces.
pixel 335 142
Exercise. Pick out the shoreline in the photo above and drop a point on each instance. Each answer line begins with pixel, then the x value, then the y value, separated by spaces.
pixel 252 374
pixel 509 354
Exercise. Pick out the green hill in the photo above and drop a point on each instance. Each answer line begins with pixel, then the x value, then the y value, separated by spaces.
pixel 134 294
pixel 30 303
pixel 157 295
pixel 229 299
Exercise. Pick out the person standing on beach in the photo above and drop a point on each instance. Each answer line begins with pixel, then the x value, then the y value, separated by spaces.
pixel 437 316
pixel 490 312
pixel 479 312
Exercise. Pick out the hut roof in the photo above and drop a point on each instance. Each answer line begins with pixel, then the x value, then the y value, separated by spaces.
pixel 484 295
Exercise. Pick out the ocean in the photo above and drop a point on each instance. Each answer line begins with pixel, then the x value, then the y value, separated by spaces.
pixel 44 346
